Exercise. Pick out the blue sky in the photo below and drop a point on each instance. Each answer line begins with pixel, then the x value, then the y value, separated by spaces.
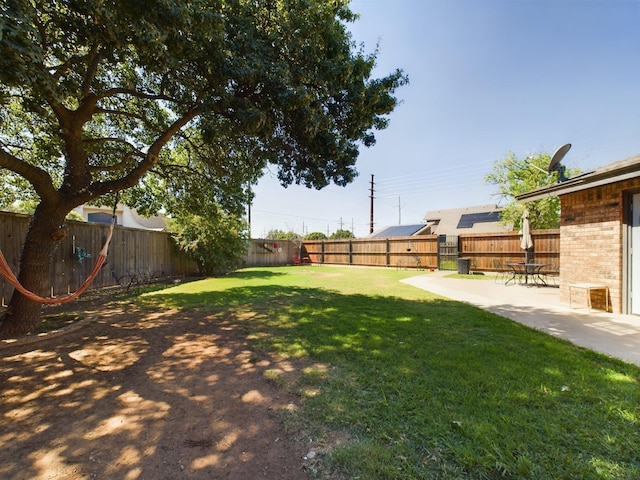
pixel 487 77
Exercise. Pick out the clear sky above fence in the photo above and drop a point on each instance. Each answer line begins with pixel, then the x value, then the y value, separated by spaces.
pixel 486 77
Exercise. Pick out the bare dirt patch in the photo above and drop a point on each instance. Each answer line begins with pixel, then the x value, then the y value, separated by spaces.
pixel 144 395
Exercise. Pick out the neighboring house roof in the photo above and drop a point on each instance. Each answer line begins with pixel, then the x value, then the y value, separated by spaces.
pixel 611 173
pixel 400 231
pixel 150 223
pixel 127 217
pixel 478 219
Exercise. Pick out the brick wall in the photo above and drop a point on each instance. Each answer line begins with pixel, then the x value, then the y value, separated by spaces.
pixel 591 240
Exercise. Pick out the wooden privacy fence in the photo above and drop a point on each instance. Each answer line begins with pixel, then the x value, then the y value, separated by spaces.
pixel 143 253
pixel 134 254
pixel 482 249
pixel 263 253
pixel 149 254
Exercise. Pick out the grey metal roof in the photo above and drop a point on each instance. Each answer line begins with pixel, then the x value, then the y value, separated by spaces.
pixel 607 174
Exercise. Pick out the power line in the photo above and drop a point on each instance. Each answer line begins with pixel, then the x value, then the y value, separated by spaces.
pixel 423 184
pixel 476 171
pixel 428 183
pixel 278 214
pixel 454 170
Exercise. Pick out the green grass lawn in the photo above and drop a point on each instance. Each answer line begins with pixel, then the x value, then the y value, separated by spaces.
pixel 417 386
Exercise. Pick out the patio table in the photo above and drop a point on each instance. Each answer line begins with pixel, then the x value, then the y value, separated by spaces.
pixel 526 270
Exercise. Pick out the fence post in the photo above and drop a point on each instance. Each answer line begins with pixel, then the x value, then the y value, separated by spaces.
pixel 388 252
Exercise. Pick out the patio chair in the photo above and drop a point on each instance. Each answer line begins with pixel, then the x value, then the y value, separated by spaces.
pixel 501 271
pixel 551 275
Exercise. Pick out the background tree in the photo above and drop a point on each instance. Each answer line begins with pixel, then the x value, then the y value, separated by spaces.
pixel 514 176
pixel 95 97
pixel 340 233
pixel 217 243
pixel 315 236
pixel 204 198
pixel 282 235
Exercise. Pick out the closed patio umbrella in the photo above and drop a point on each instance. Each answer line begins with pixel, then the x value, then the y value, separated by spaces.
pixel 526 242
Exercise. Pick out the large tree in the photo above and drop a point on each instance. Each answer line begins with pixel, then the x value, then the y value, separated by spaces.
pixel 513 176
pixel 96 95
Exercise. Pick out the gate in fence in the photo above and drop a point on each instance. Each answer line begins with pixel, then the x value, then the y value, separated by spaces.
pixel 447 252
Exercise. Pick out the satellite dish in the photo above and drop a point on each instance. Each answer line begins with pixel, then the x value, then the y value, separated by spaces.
pixel 555 165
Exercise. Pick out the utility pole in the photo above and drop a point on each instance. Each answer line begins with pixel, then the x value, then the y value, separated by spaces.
pixel 399 211
pixel 249 210
pixel 371 206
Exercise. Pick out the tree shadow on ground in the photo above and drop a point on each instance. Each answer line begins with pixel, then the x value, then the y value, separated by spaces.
pixel 144 394
pixel 256 273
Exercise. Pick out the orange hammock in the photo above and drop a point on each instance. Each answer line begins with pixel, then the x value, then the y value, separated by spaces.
pixel 6 272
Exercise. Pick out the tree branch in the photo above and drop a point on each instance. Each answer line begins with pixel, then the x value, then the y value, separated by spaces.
pixel 123 113
pixel 120 165
pixel 39 178
pixel 112 92
pixel 93 60
pixel 150 158
pixel 106 111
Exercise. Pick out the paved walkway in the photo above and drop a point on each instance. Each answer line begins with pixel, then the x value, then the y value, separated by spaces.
pixel 540 308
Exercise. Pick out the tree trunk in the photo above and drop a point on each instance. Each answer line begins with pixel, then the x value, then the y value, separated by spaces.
pixel 45 232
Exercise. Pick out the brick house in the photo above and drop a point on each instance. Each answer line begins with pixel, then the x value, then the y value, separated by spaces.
pixel 598 233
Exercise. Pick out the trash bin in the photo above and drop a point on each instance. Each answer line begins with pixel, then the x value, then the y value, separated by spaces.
pixel 463 265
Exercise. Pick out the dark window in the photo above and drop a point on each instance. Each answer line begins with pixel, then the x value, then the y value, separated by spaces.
pixel 100 217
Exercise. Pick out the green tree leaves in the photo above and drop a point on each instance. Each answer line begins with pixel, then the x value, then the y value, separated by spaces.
pixel 341 233
pixel 217 242
pixel 315 236
pixel 105 88
pixel 514 176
